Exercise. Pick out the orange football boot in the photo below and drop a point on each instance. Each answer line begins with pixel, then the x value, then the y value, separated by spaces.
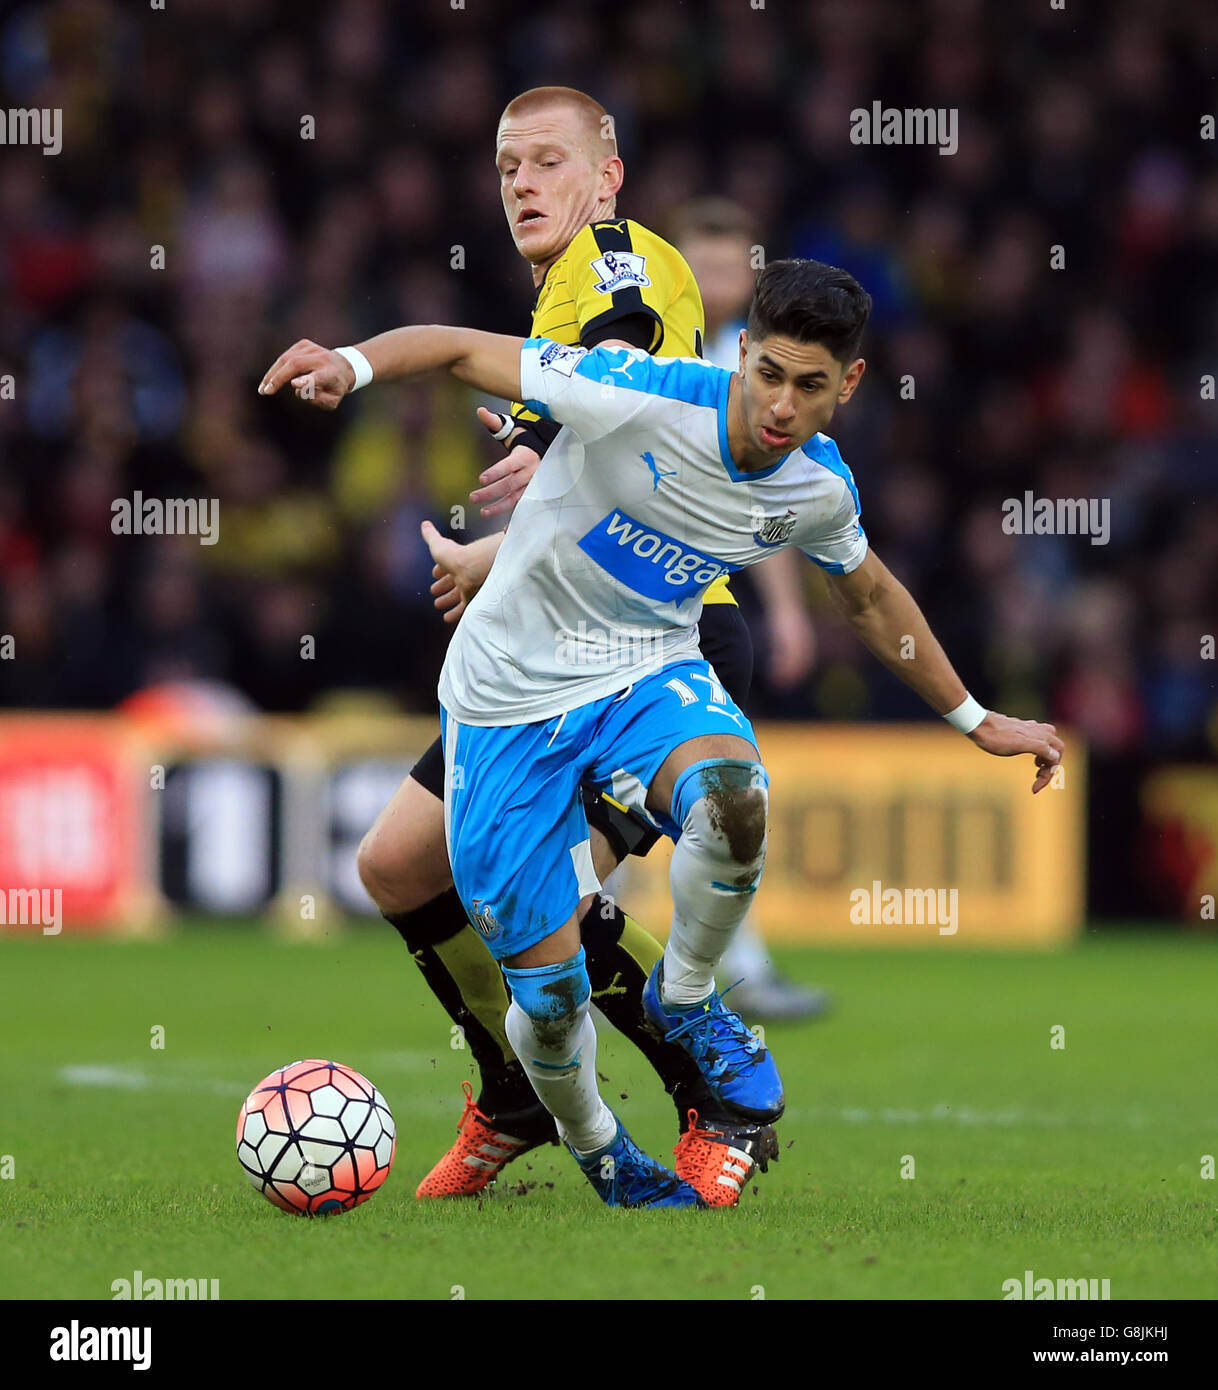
pixel 717 1163
pixel 478 1157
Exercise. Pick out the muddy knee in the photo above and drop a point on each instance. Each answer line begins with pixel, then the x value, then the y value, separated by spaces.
pixel 554 999
pixel 742 819
pixel 725 802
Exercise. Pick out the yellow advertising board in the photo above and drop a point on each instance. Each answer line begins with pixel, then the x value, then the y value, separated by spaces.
pixel 879 834
pixel 905 835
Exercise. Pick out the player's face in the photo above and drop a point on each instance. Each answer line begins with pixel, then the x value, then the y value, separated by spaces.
pixel 549 184
pixel 789 391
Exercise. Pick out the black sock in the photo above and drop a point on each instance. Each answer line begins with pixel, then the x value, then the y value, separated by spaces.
pixel 457 966
pixel 619 955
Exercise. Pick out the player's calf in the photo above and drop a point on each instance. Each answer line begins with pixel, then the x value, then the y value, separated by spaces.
pixel 403 864
pixel 550 1028
pixel 721 806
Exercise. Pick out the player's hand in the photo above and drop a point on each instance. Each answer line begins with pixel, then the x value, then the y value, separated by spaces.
pixel 791 639
pixel 1007 738
pixel 503 482
pixel 459 571
pixel 317 374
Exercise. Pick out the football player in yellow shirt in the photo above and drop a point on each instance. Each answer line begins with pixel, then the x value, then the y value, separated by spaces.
pixel 600 280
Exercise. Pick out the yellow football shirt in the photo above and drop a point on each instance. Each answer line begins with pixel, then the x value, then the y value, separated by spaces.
pixel 615 270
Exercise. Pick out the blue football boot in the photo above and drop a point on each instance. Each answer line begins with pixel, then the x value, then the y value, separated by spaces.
pixel 733 1063
pixel 624 1176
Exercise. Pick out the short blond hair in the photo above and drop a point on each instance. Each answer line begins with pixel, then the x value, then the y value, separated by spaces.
pixel 596 125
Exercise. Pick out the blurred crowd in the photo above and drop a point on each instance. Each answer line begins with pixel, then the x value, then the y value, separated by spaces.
pixel 238 174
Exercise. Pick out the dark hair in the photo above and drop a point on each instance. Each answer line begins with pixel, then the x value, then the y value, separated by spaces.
pixel 813 303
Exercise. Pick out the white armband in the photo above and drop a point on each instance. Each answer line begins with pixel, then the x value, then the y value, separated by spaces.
pixel 360 365
pixel 967 715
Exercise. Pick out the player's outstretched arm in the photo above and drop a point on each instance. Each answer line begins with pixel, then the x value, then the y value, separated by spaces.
pixel 883 613
pixel 322 376
pixel 504 482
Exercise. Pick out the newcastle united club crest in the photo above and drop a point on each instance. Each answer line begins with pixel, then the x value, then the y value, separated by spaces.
pixel 776 530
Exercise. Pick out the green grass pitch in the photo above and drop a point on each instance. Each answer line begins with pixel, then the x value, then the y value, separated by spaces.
pixel 1081 1161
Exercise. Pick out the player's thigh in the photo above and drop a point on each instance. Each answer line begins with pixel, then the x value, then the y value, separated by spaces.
pixel 651 735
pixel 617 831
pixel 403 859
pixel 605 857
pixel 517 836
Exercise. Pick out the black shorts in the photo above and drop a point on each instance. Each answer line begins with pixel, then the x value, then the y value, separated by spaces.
pixel 429 770
pixel 727 644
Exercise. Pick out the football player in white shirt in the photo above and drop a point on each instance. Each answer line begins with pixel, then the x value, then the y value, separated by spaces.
pixel 720 241
pixel 578 659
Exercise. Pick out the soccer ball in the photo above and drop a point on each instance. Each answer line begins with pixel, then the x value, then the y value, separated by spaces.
pixel 316 1138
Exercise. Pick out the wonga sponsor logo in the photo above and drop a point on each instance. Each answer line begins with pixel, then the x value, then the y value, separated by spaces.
pixel 650 562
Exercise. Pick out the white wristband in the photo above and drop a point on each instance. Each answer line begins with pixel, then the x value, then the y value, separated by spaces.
pixel 359 363
pixel 967 715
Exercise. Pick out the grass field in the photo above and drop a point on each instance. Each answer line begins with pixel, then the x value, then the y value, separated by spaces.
pixel 1079 1162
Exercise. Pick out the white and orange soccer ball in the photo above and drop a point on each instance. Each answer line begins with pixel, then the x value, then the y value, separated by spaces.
pixel 316 1138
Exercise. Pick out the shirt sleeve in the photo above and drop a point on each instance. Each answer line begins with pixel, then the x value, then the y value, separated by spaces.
pixel 592 391
pixel 617 272
pixel 635 329
pixel 841 546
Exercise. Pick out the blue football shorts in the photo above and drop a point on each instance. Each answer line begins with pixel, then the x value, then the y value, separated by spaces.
pixel 513 813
